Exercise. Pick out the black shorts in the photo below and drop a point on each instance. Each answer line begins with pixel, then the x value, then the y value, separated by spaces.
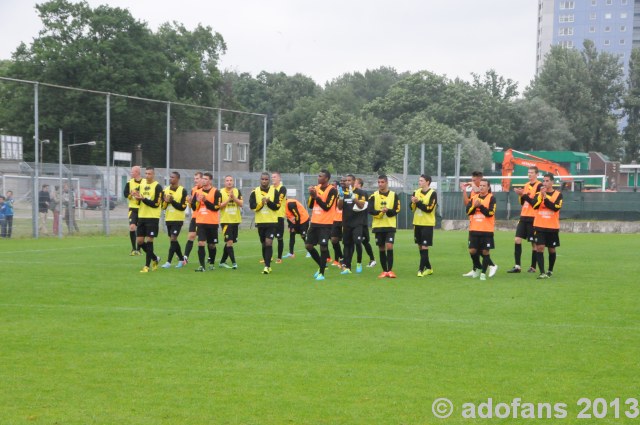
pixel 230 231
pixel 318 235
pixel 548 239
pixel 300 229
pixel 148 227
pixel 174 227
pixel 208 232
pixel 352 235
pixel 280 228
pixel 336 230
pixel 193 226
pixel 267 231
pixel 481 241
pixel 423 235
pixel 383 238
pixel 133 215
pixel 525 230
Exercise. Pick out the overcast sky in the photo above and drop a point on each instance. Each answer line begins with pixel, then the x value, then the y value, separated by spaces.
pixel 328 38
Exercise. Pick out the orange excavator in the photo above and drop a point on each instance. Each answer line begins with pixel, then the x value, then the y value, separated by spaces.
pixel 528 160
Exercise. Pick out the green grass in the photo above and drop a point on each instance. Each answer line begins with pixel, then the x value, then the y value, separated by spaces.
pixel 86 339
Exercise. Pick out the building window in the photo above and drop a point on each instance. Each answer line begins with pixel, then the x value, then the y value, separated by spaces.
pixel 567 44
pixel 607 29
pixel 621 41
pixel 565 31
pixel 243 150
pixel 623 2
pixel 567 5
pixel 566 18
pixel 11 147
pixel 607 16
pixel 594 2
pixel 593 16
pixel 228 152
pixel 609 2
pixel 623 28
pixel 607 42
pixel 592 29
pixel 623 15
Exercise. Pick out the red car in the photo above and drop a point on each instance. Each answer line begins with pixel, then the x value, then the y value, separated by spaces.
pixel 90 199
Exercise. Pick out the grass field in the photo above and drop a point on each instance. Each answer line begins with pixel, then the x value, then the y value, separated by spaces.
pixel 86 339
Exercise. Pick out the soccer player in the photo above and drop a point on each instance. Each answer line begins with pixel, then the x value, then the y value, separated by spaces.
pixel 298 223
pixel 384 206
pixel 149 198
pixel 281 193
pixel 133 185
pixel 230 219
pixel 423 204
pixel 474 190
pixel 336 229
pixel 481 210
pixel 264 202
pixel 207 202
pixel 546 224
pixel 191 236
pixel 366 243
pixel 354 217
pixel 322 202
pixel 174 203
pixel 524 230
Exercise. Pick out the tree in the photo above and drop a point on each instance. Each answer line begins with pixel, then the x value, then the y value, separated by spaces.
pixel 106 49
pixel 585 87
pixel 476 154
pixel 631 107
pixel 540 126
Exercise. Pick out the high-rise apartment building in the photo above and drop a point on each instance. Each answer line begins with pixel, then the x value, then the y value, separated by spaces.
pixel 613 25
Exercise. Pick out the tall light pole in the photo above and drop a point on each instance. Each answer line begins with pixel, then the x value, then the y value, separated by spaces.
pixel 91 143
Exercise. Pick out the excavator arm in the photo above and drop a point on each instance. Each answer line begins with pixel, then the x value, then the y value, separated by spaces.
pixel 528 160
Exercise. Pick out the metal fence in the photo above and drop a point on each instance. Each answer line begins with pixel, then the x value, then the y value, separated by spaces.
pixel 86 215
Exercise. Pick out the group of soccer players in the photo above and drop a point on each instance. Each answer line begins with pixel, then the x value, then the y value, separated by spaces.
pixel 336 213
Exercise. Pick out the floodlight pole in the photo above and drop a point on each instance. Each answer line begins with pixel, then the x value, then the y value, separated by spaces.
pixel 35 207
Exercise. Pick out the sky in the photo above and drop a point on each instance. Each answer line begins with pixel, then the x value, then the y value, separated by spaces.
pixel 326 39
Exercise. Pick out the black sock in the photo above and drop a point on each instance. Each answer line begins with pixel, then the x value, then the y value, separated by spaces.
pixel 369 249
pixel 172 249
pixel 424 259
pixel 201 255
pixel 232 254
pixel 154 257
pixel 212 254
pixel 147 257
pixel 132 236
pixel 280 248
pixel 475 258
pixel 268 253
pixel 486 262
pixel 315 256
pixel 178 250
pixel 552 260
pixel 383 260
pixel 540 259
pixel 534 258
pixel 337 250
pixel 389 260
pixel 225 254
pixel 188 248
pixel 324 256
pixel 518 253
pixel 292 243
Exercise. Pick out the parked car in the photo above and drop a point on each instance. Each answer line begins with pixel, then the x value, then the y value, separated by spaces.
pixel 89 199
pixel 113 199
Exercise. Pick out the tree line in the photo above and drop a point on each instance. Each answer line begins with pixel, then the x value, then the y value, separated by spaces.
pixel 357 122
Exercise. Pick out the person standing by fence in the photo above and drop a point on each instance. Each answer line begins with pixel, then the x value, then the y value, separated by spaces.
pixel 546 225
pixel 423 203
pixel 7 228
pixel 44 201
pixel 384 206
